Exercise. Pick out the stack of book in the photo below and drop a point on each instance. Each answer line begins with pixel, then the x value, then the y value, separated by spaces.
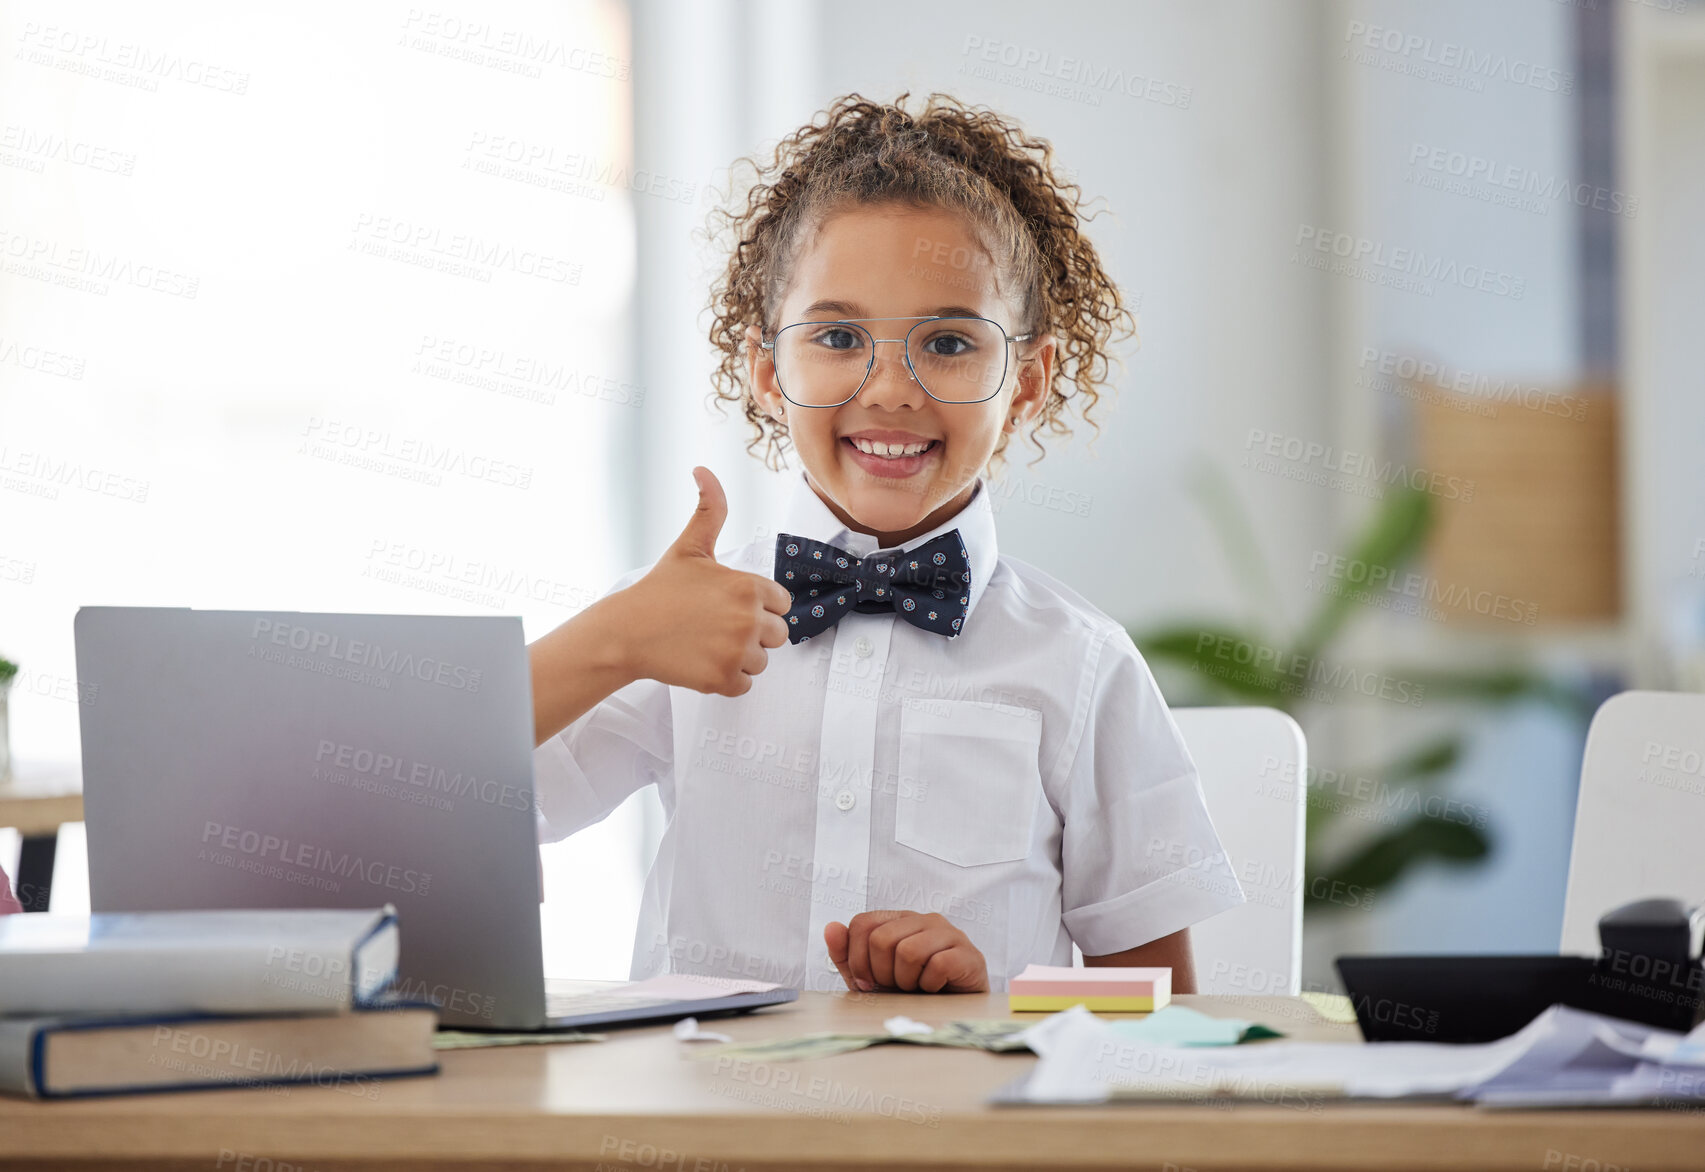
pixel 107 1004
pixel 1051 988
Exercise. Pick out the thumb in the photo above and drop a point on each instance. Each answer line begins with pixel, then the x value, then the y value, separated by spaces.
pixel 698 539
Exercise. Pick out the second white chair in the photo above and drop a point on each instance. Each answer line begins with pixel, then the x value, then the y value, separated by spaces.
pixel 1640 818
pixel 1253 763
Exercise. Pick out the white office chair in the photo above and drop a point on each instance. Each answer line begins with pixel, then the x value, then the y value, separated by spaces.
pixel 1253 763
pixel 1640 817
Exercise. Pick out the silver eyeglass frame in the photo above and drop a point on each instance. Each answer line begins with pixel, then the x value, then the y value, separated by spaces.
pixel 905 351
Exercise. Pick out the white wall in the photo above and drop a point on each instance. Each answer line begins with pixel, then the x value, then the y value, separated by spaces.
pixel 213 236
pixel 1663 142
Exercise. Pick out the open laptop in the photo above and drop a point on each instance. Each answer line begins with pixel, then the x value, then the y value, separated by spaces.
pixel 264 759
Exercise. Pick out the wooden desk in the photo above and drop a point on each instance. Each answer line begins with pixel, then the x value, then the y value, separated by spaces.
pixel 641 1101
pixel 39 799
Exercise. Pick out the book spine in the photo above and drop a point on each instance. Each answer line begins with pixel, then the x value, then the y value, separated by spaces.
pixel 20 1057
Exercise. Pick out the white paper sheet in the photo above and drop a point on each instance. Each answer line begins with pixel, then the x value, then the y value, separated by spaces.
pixel 1562 1055
pixel 689 987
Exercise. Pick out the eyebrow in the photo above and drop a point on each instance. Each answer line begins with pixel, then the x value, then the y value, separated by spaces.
pixel 849 309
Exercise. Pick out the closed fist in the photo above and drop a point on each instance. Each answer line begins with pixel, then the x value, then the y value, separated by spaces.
pixel 909 951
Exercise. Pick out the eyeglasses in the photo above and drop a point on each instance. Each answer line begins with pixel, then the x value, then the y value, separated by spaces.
pixel 954 359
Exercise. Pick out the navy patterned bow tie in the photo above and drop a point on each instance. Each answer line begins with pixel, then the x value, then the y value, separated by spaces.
pixel 929 587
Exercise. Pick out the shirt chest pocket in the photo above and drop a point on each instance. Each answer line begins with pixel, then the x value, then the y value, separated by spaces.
pixel 970 780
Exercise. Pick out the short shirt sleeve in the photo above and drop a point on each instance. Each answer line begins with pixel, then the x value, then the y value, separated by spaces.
pixel 1139 856
pixel 623 744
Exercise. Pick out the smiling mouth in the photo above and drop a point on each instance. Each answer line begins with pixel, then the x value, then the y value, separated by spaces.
pixel 887 451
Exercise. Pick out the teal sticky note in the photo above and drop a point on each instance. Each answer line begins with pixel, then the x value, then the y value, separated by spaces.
pixel 1177 1026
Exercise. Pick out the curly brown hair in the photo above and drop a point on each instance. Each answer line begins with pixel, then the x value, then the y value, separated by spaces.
pixel 947 155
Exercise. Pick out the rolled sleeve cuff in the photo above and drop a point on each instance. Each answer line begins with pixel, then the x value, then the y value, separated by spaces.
pixel 561 791
pixel 1167 905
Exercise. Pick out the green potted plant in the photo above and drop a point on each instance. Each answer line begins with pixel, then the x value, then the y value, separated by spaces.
pixel 1392 537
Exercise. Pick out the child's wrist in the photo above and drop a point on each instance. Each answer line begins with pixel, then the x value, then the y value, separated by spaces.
pixel 616 652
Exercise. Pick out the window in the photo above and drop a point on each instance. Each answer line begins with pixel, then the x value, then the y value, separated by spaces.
pixel 326 311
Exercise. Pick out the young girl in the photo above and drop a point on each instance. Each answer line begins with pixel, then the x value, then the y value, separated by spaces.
pixel 890 756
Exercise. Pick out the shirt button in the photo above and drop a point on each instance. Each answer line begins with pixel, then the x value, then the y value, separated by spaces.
pixel 862 647
pixel 845 800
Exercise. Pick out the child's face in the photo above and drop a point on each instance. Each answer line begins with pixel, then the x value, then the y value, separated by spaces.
pixel 892 262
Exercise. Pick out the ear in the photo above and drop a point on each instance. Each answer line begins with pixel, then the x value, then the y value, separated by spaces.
pixel 761 376
pixel 1035 378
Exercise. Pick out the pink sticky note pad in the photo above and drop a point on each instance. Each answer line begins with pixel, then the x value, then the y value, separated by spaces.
pixel 1041 980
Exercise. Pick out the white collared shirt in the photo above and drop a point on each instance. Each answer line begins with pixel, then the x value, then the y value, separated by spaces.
pixel 1024 779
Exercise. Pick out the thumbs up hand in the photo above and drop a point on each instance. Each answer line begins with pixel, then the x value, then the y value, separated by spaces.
pixel 695 623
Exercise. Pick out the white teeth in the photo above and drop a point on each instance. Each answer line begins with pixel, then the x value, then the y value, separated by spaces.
pixel 889 451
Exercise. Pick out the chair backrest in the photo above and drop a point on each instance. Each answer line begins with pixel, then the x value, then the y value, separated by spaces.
pixel 1640 817
pixel 1253 764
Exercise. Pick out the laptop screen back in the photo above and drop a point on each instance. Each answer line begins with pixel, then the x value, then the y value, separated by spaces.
pixel 239 759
